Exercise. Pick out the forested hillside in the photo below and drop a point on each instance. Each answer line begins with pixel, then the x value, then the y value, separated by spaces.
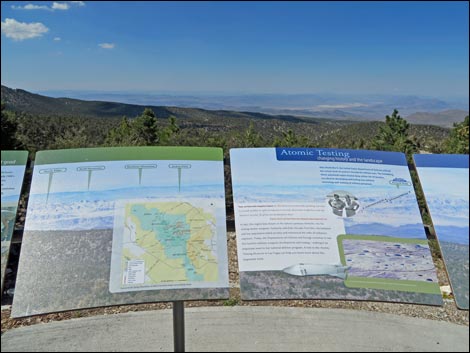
pixel 35 133
pixel 19 100
pixel 37 122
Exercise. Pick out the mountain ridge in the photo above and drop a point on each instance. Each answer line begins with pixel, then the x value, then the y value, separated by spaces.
pixel 23 101
pixel 20 100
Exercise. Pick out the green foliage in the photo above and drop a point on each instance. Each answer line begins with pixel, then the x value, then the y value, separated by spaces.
pixel 145 129
pixel 197 127
pixel 458 139
pixel 141 131
pixel 250 138
pixel 47 121
pixel 73 138
pixel 169 135
pixel 290 139
pixel 173 127
pixel 48 132
pixel 231 302
pixel 394 136
pixel 120 135
pixel 429 137
pixel 215 141
pixel 9 131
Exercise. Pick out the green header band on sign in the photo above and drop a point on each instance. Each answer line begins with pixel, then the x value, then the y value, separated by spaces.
pixel 128 153
pixel 393 284
pixel 14 158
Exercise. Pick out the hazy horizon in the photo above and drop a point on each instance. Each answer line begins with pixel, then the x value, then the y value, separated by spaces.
pixel 244 93
pixel 332 106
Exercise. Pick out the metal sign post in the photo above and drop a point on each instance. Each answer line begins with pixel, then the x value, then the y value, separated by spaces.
pixel 178 326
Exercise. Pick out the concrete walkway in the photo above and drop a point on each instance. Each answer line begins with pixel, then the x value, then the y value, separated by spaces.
pixel 243 329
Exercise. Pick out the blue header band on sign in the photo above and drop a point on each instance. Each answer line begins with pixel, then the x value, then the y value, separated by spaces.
pixel 340 155
pixel 441 160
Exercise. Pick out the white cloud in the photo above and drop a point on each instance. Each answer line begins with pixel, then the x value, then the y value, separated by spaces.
pixel 60 6
pixel 20 30
pixel 55 6
pixel 107 45
pixel 56 39
pixel 30 7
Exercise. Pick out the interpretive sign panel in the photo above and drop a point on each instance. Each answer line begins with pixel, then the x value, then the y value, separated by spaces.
pixel 331 224
pixel 13 168
pixel 444 179
pixel 110 226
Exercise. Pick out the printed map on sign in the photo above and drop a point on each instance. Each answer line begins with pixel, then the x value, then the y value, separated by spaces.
pixel 164 245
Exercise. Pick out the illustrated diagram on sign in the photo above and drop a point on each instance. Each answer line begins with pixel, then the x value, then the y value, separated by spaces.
pixel 179 167
pixel 387 200
pixel 399 182
pixel 90 170
pixel 51 172
pixel 140 167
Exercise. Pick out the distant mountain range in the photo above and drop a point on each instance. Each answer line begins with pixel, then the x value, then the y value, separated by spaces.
pixel 23 101
pixel 446 118
pixel 417 110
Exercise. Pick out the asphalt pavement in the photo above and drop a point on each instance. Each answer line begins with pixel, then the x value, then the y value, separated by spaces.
pixel 243 328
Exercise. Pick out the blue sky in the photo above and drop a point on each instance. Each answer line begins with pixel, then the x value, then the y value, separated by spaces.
pixel 237 47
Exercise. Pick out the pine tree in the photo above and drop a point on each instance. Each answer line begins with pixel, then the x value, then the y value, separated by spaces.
pixel 394 136
pixel 9 129
pixel 458 139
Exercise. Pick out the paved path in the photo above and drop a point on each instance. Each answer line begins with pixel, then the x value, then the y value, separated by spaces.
pixel 243 329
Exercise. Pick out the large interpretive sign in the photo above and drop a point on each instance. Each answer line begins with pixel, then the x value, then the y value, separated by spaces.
pixel 331 224
pixel 13 168
pixel 110 226
pixel 444 179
